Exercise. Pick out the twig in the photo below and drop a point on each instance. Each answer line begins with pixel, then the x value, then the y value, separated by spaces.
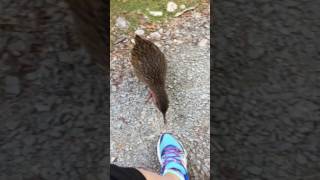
pixel 184 11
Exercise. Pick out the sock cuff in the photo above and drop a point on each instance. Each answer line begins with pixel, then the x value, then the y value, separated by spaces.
pixel 175 172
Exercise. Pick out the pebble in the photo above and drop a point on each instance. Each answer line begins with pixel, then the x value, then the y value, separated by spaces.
pixel 139 32
pixel 158 44
pixel 155 35
pixel 12 85
pixel 203 42
pixel 171 6
pixel 113 88
pixel 155 13
pixel 182 6
pixel 11 125
pixel 197 15
pixel 255 170
pixel 65 57
pixel 16 47
pixel 301 159
pixel 42 107
pixel 3 42
pixel 256 52
pixel 29 140
pixel 122 23
pixel 177 41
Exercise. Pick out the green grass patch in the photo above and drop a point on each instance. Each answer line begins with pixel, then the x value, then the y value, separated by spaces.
pixel 134 10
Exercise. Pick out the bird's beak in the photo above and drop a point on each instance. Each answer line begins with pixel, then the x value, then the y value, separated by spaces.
pixel 164 118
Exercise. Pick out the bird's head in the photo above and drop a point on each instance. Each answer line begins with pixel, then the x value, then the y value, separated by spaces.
pixel 162 102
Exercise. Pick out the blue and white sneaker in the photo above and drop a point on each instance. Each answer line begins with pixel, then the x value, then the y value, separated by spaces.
pixel 172 156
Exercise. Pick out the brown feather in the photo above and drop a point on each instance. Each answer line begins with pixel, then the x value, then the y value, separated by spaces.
pixel 150 66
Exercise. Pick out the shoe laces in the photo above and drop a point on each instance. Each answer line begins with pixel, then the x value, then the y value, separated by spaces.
pixel 171 154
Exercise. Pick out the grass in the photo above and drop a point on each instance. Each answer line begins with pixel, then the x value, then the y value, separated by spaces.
pixel 134 10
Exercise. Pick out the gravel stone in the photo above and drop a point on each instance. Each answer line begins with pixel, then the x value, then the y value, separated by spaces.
pixel 139 32
pixel 3 42
pixel 29 140
pixel 65 57
pixel 171 6
pixel 11 125
pixel 182 6
pixel 12 85
pixel 42 107
pixel 16 47
pixel 203 43
pixel 255 170
pixel 156 13
pixel 155 35
pixel 301 159
pixel 122 23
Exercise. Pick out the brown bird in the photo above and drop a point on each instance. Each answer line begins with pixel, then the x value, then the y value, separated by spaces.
pixel 150 66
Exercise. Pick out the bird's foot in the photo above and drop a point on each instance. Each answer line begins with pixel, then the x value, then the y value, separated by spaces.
pixel 149 97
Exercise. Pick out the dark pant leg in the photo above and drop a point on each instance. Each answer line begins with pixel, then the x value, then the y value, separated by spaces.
pixel 125 173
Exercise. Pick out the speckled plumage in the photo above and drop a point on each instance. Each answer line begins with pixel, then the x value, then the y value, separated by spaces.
pixel 150 66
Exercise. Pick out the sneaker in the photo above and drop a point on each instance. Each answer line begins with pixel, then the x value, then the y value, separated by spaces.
pixel 172 156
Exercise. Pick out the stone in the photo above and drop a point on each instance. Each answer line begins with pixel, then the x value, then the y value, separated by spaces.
pixel 12 85
pixel 122 23
pixel 29 140
pixel 42 107
pixel 171 6
pixel 197 15
pixel 301 159
pixel 182 6
pixel 155 35
pixel 139 32
pixel 11 125
pixel 65 57
pixel 3 42
pixel 256 52
pixel 203 43
pixel 155 13
pixel 31 76
pixel 17 47
pixel 255 170
pixel 177 41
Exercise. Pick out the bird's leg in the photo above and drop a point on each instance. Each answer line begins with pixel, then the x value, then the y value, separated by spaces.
pixel 149 96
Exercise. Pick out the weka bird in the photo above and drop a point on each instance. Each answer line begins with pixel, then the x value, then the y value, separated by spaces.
pixel 150 66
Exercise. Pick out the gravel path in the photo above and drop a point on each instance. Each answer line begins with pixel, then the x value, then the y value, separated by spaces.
pixel 266 90
pixel 136 126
